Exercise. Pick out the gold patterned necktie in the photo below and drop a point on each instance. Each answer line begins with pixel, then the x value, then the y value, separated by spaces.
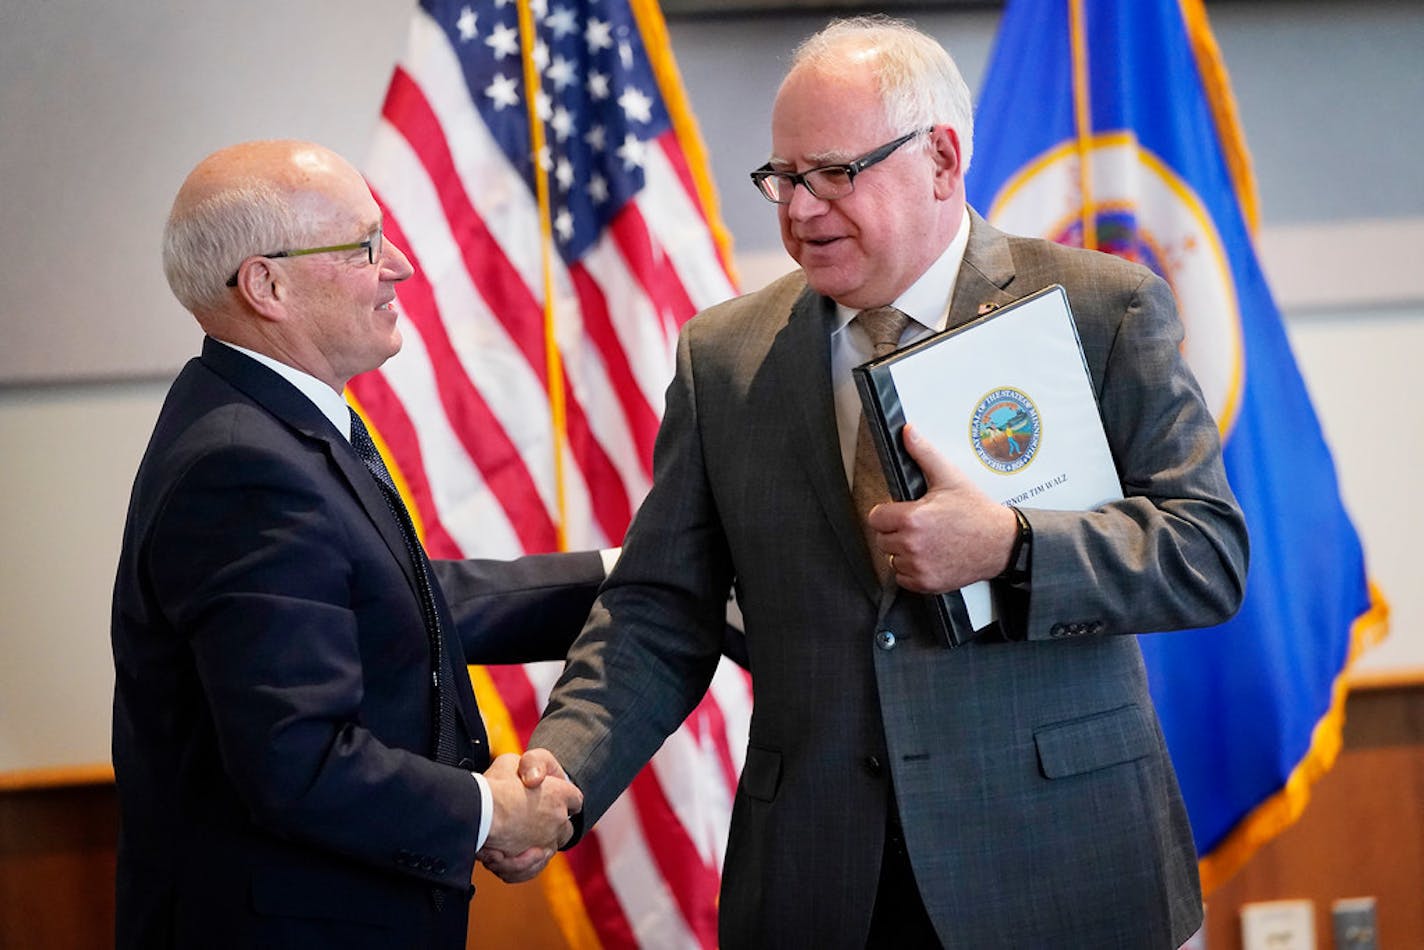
pixel 868 487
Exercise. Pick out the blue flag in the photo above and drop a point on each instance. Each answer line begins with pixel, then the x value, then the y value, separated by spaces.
pixel 1109 124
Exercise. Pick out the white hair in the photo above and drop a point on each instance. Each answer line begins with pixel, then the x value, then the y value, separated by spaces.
pixel 205 242
pixel 919 83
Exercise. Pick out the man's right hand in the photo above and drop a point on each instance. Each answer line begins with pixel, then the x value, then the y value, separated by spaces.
pixel 533 802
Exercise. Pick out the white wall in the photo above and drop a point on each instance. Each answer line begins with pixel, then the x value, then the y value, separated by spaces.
pixel 70 455
pixel 104 107
pixel 1360 368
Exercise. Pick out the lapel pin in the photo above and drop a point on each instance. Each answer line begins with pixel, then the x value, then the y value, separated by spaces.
pixel 987 307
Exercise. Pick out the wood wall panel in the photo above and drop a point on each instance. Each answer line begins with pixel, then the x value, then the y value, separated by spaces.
pixel 57 867
pixel 1361 835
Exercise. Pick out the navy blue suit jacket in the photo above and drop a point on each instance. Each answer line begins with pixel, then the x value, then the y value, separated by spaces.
pixel 272 700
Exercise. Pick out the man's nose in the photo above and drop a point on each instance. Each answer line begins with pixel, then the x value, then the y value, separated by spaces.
pixel 804 204
pixel 395 266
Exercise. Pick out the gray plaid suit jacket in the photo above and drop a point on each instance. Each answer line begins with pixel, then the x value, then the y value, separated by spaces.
pixel 1031 778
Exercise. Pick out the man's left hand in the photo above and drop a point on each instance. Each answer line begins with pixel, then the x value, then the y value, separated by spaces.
pixel 953 536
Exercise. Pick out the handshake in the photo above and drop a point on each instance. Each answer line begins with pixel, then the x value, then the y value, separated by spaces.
pixel 534 805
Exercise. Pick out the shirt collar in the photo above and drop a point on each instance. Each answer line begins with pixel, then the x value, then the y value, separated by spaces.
pixel 926 301
pixel 326 399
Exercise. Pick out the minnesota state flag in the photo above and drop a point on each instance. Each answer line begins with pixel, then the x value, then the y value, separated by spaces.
pixel 1109 124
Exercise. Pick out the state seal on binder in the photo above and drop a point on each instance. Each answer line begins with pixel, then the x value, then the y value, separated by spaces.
pixel 1005 429
pixel 982 373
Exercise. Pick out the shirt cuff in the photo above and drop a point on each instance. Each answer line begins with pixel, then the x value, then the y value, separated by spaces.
pixel 610 558
pixel 486 809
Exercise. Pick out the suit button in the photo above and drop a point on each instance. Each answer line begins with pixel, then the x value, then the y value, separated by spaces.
pixel 440 866
pixel 885 639
pixel 467 764
pixel 872 764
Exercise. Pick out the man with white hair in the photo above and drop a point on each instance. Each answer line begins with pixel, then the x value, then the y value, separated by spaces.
pixel 1014 791
pixel 299 757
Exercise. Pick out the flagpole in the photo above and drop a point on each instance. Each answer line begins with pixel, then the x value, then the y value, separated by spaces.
pixel 658 45
pixel 553 361
pixel 1083 121
pixel 1212 67
pixel 560 885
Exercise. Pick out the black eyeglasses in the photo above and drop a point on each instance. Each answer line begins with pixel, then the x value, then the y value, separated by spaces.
pixel 372 247
pixel 827 182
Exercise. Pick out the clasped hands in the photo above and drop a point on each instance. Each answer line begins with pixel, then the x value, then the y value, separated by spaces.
pixel 534 803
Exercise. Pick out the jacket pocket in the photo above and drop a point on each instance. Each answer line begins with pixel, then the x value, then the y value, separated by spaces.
pixel 1093 742
pixel 761 775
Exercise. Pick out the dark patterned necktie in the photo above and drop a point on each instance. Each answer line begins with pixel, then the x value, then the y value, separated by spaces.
pixel 443 674
pixel 868 487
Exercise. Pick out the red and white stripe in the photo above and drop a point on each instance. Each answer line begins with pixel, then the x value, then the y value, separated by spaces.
pixel 466 414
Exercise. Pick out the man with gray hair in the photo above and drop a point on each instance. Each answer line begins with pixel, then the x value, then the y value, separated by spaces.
pixel 1014 791
pixel 299 757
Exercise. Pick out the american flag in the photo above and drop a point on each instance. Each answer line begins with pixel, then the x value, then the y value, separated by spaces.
pixel 538 162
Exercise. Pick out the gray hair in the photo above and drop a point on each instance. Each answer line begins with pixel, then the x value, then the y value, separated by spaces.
pixel 204 242
pixel 918 81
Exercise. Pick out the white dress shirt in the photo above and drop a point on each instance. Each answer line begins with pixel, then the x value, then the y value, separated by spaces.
pixel 926 303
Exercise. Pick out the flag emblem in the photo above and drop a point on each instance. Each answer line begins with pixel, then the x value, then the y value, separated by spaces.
pixel 1005 431
pixel 1142 210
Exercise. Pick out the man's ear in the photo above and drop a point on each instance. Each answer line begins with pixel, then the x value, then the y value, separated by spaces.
pixel 262 288
pixel 949 170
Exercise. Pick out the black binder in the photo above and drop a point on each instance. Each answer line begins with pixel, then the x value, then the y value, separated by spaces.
pixel 1061 374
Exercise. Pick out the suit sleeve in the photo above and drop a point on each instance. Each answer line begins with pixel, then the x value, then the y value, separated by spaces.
pixel 252 558
pixel 656 633
pixel 520 611
pixel 1173 553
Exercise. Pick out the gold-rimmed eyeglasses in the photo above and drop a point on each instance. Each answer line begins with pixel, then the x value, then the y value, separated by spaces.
pixel 372 247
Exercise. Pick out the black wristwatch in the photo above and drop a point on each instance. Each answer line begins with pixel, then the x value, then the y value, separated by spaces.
pixel 1020 556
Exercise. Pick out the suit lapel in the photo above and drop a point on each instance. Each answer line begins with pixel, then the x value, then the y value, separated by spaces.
pixel 288 404
pixel 364 486
pixel 801 355
pixel 986 272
